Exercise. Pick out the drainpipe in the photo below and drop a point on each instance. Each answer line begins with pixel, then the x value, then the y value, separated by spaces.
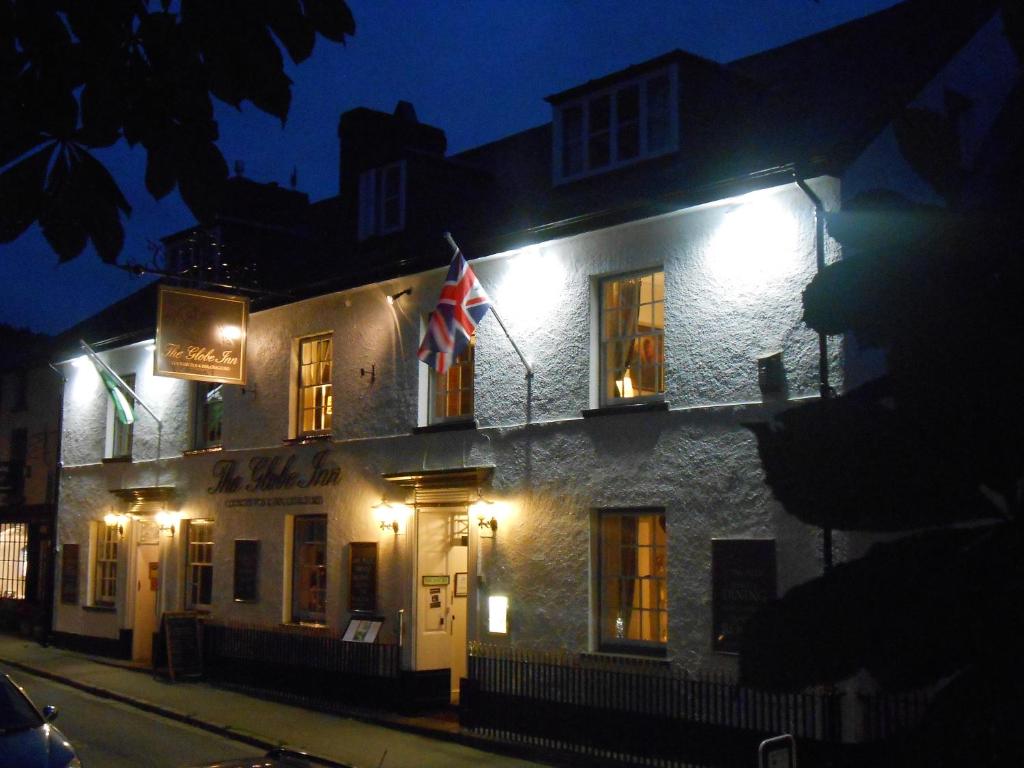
pixel 55 493
pixel 824 388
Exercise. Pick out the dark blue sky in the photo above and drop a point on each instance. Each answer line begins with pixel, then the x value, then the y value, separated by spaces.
pixel 479 69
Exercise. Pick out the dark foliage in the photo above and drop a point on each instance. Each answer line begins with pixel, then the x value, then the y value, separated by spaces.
pixel 76 76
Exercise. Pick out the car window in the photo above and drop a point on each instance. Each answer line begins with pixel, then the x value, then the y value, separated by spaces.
pixel 16 712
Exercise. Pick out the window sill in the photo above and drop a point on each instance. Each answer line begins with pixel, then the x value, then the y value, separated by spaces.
pixel 315 626
pixel 307 439
pixel 617 410
pixel 633 654
pixel 203 451
pixel 447 426
pixel 117 459
pixel 99 608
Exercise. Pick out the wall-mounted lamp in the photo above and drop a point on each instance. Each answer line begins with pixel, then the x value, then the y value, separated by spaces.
pixel 485 519
pixel 388 516
pixel 113 518
pixel 372 372
pixel 396 296
pixel 166 521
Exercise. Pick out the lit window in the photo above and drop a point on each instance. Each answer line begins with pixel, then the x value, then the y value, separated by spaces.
pixel 309 569
pixel 209 412
pixel 121 433
pixel 382 200
pixel 105 591
pixel 315 395
pixel 451 392
pixel 13 560
pixel 632 580
pixel 632 337
pixel 199 565
pixel 616 126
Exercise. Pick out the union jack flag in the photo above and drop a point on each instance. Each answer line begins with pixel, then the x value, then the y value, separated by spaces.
pixel 460 309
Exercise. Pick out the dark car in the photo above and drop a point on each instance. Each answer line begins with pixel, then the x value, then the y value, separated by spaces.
pixel 276 758
pixel 27 738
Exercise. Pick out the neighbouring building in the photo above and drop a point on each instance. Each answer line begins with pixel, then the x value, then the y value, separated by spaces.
pixel 646 250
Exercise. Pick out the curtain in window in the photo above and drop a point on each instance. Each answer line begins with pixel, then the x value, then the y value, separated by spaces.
pixel 626 325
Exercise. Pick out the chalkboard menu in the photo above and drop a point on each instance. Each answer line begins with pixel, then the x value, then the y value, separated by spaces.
pixel 742 581
pixel 362 576
pixel 184 646
pixel 69 574
pixel 247 570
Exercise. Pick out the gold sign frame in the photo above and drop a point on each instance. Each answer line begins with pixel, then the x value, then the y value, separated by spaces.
pixel 201 336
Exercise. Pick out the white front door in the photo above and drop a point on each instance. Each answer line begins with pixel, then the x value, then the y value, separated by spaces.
pixel 147 583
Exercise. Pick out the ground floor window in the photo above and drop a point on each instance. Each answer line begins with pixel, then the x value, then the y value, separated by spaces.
pixel 632 580
pixel 309 569
pixel 106 564
pixel 13 560
pixel 199 567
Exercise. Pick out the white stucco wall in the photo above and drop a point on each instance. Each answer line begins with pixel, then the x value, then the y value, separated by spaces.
pixel 733 273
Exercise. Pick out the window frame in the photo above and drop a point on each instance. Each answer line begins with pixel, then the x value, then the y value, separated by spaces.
pixel 620 644
pixel 122 436
pixel 195 567
pixel 299 568
pixel 464 362
pixel 606 393
pixel 614 126
pixel 105 564
pixel 14 556
pixel 375 193
pixel 324 410
pixel 201 408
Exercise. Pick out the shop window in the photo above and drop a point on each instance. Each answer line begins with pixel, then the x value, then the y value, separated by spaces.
pixel 13 560
pixel 382 200
pixel 451 392
pixel 315 396
pixel 209 413
pixel 309 569
pixel 199 564
pixel 616 126
pixel 632 586
pixel 121 434
pixel 108 537
pixel 632 355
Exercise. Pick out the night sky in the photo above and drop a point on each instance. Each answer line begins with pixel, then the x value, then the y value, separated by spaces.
pixel 478 69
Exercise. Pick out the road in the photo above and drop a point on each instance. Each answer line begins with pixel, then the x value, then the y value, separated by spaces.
pixel 112 735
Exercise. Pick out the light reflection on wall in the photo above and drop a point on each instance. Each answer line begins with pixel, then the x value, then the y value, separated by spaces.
pixel 83 380
pixel 530 288
pixel 755 246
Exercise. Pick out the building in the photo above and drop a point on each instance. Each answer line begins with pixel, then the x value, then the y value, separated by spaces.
pixel 646 250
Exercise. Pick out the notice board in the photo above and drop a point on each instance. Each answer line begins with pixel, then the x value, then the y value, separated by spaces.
pixel 362 576
pixel 69 574
pixel 184 645
pixel 742 581
pixel 247 570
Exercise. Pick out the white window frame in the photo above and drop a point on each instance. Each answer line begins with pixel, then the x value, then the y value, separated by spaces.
pixel 461 371
pixel 293 542
pixel 106 551
pixel 198 560
pixel 650 600
pixel 327 389
pixel 117 431
pixel 644 151
pixel 374 193
pixel 606 397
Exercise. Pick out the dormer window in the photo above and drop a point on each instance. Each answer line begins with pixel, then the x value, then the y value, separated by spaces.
pixel 382 200
pixel 616 126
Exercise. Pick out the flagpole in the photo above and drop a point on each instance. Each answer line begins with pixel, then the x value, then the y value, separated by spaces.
pixel 96 358
pixel 494 311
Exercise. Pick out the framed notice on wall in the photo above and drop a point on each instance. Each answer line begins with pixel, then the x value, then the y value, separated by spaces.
pixel 362 576
pixel 247 570
pixel 742 581
pixel 69 574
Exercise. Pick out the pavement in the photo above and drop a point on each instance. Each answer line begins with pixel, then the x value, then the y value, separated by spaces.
pixel 351 738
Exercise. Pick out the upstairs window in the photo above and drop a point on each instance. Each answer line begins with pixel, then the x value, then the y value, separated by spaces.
pixel 451 392
pixel 120 433
pixel 316 401
pixel 615 127
pixel 382 200
pixel 208 416
pixel 632 338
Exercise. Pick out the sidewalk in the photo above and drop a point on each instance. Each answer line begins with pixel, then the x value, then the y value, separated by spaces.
pixel 357 739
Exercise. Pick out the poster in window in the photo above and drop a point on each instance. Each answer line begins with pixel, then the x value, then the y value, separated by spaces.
pixel 201 335
pixel 362 576
pixel 742 581
pixel 69 574
pixel 247 570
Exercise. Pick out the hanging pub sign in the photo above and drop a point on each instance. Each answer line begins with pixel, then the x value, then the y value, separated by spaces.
pixel 201 336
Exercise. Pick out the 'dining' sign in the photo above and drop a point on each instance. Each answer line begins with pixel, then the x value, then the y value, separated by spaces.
pixel 201 336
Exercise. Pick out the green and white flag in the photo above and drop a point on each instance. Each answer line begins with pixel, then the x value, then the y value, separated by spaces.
pixel 120 393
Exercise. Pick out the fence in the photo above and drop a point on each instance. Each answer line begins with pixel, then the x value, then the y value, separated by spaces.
pixel 635 711
pixel 311 663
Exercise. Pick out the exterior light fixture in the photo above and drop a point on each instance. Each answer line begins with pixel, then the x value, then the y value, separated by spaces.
pixel 396 296
pixel 497 614
pixel 166 521
pixel 485 519
pixel 113 518
pixel 387 516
